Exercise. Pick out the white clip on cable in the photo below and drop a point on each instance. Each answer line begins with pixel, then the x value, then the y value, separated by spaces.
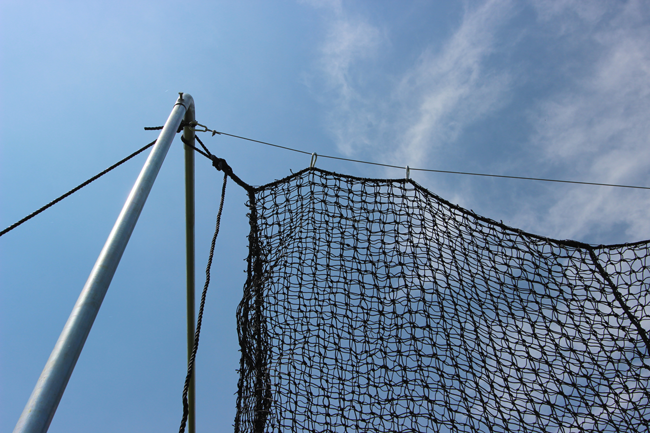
pixel 314 157
pixel 194 123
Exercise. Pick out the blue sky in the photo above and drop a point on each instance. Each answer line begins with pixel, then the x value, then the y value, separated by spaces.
pixel 556 89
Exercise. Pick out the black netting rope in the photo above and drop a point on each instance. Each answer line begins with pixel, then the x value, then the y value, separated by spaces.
pixel 75 189
pixel 621 301
pixel 374 305
pixel 195 347
pixel 219 163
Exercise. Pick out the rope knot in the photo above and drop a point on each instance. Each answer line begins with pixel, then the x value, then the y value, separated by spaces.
pixel 220 164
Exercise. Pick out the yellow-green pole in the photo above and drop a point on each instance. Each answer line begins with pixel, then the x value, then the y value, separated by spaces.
pixel 188 135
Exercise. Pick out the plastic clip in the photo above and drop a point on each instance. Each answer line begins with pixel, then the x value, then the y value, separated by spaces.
pixel 314 157
pixel 408 172
pixel 194 123
pixel 205 128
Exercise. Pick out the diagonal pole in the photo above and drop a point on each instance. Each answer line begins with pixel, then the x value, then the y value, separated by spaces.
pixel 45 398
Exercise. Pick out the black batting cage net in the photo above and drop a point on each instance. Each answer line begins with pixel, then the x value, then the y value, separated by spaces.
pixel 376 306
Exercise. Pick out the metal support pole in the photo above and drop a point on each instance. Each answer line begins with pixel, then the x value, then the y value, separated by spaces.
pixel 42 404
pixel 188 135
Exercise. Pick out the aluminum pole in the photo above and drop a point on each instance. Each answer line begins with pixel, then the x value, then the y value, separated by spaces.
pixel 42 404
pixel 188 135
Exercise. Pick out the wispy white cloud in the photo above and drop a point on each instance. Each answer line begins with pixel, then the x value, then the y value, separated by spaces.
pixel 600 129
pixel 595 125
pixel 568 14
pixel 447 88
pixel 335 6
pixel 350 41
pixel 452 88
pixel 594 128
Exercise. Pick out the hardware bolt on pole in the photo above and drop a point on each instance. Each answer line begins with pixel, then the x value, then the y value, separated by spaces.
pixel 45 398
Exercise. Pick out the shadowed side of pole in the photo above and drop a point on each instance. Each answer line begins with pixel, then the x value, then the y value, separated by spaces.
pixel 188 137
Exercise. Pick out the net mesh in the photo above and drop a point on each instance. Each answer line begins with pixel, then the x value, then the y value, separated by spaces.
pixel 376 306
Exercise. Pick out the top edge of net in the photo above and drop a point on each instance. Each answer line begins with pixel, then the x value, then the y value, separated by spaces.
pixel 559 242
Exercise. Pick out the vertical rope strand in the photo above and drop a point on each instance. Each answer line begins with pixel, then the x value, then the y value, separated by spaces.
pixel 190 364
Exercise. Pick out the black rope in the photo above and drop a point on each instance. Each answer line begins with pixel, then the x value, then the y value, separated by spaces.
pixel 72 191
pixel 621 301
pixel 220 164
pixel 182 125
pixel 190 364
pixel 188 144
pixel 202 145
pixel 205 152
